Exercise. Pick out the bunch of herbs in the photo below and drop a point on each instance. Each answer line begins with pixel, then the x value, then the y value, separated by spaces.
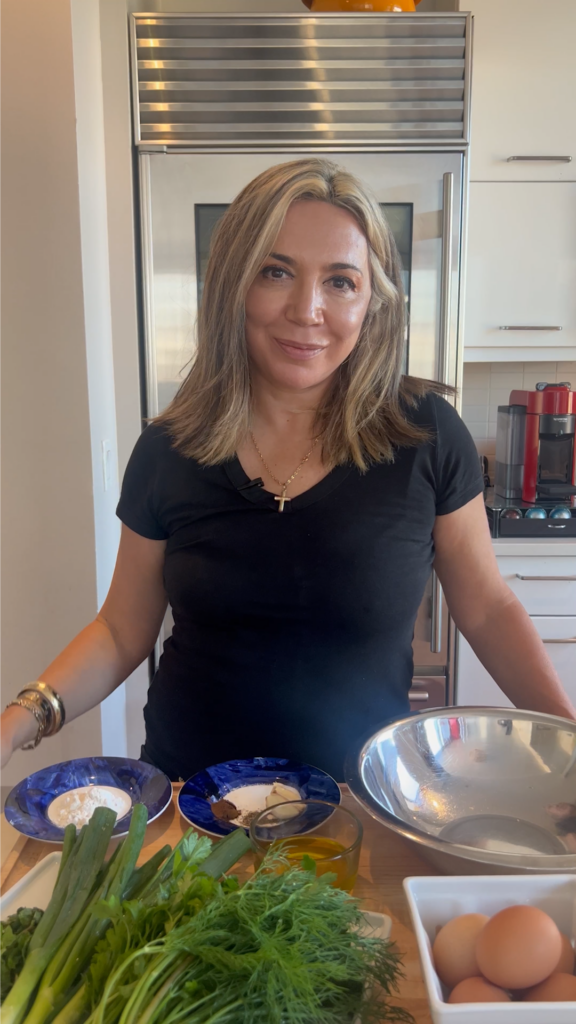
pixel 285 948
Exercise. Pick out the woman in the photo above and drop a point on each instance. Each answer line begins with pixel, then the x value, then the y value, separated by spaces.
pixel 290 504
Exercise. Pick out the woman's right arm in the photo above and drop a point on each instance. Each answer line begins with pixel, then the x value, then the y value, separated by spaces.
pixel 107 651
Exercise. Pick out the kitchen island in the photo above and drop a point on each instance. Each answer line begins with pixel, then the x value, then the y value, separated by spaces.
pixel 385 861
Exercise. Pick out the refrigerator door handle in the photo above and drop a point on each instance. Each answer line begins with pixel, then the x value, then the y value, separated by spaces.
pixel 436 616
pixel 446 278
pixel 428 692
pixel 554 578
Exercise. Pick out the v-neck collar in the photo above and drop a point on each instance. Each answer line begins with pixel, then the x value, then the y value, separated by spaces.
pixel 266 499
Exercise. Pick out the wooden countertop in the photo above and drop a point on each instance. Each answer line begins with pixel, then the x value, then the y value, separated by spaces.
pixel 385 861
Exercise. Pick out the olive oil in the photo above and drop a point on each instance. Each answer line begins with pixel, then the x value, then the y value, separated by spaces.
pixel 329 855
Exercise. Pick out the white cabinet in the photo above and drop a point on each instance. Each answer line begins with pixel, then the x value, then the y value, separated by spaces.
pixel 521 271
pixel 523 89
pixel 551 604
pixel 476 686
pixel 544 586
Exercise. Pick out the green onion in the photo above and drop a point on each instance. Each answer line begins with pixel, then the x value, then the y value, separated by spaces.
pixel 75 952
pixel 226 853
pixel 72 892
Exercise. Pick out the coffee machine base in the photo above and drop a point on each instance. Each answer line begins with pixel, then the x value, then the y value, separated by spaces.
pixel 508 518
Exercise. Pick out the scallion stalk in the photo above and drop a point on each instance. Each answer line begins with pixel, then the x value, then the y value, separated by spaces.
pixel 226 853
pixel 75 952
pixel 71 894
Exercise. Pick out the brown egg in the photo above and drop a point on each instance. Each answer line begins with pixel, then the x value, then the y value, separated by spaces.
pixel 566 963
pixel 476 990
pixel 454 949
pixel 518 948
pixel 558 988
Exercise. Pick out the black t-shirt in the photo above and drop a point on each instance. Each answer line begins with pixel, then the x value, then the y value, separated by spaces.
pixel 292 631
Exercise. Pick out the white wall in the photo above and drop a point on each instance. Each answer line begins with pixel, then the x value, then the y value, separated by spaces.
pixel 48 539
pixel 97 322
pixel 123 274
pixel 70 331
pixel 120 221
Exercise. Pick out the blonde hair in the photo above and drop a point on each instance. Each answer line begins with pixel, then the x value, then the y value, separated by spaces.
pixel 363 417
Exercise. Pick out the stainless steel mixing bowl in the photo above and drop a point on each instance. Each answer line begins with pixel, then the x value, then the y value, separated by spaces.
pixel 478 790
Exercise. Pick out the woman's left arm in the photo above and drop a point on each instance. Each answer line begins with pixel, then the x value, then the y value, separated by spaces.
pixel 489 615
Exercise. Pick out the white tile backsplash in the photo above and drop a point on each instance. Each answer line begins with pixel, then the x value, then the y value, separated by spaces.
pixel 541 367
pixel 474 413
pixel 478 429
pixel 501 367
pixel 474 395
pixel 532 379
pixel 488 385
pixel 478 374
pixel 499 396
pixel 504 382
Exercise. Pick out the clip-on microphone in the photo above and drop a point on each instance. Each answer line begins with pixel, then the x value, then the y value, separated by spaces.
pixel 257 482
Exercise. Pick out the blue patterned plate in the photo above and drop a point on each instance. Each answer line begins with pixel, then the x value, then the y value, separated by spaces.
pixel 32 806
pixel 246 784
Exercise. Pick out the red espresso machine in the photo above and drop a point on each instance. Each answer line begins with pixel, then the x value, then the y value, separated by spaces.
pixel 549 449
pixel 535 478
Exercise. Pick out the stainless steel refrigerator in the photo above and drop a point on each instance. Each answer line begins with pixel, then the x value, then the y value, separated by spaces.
pixel 219 99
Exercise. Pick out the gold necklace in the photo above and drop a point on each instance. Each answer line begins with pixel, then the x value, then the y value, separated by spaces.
pixel 281 498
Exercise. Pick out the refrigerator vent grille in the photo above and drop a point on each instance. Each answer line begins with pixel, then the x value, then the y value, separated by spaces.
pixel 240 82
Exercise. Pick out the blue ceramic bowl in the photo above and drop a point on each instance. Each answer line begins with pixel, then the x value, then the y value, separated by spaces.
pixel 27 805
pixel 206 787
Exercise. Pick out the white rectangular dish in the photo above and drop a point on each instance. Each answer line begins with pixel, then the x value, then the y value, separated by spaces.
pixel 34 889
pixel 435 901
pixel 378 926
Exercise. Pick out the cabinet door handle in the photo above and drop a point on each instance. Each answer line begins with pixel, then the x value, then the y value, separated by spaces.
pixel 526 328
pixel 566 640
pixel 541 159
pixel 446 279
pixel 418 695
pixel 555 579
pixel 436 616
pixel 526 344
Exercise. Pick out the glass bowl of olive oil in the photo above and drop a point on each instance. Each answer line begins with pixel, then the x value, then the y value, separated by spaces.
pixel 313 834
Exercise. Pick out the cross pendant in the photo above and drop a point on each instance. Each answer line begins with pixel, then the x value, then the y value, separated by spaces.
pixel 281 499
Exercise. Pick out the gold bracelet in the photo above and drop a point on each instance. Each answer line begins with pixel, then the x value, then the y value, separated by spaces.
pixel 30 705
pixel 46 707
pixel 53 699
